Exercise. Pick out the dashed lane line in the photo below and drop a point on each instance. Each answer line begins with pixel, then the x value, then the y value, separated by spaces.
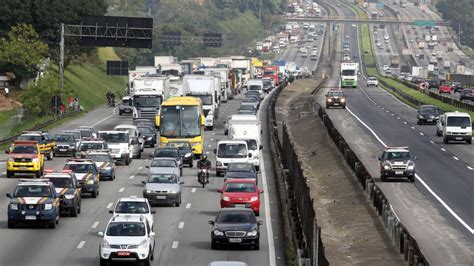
pixel 193 190
pixel 455 158
pixel 181 225
pixel 121 190
pixel 132 176
pixel 110 205
pixel 175 245
pixel 443 149
pixel 188 206
pixel 95 225
pixel 81 244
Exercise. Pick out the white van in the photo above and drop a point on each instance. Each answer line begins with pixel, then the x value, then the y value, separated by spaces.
pixel 230 151
pixel 247 128
pixel 456 126
pixel 255 85
pixel 132 132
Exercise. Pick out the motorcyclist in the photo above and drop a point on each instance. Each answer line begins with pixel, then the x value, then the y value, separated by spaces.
pixel 110 98
pixel 204 163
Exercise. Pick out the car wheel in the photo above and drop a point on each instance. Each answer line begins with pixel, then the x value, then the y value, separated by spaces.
pixel 218 173
pixel 120 113
pixel 127 160
pixel 103 262
pixel 113 177
pixel 74 154
pixel 226 132
pixel 79 208
pixel 256 246
pixel 418 122
pixel 411 179
pixel 147 261
pixel 50 156
pixel 178 203
pixel 257 213
pixel 445 140
pixel 383 178
pixel 469 141
pixel 75 211
pixel 94 193
pixel 327 106
pixel 9 174
pixel 191 164
pixel 214 245
pixel 52 225
pixel 11 225
pixel 139 155
pixel 152 145
pixel 38 174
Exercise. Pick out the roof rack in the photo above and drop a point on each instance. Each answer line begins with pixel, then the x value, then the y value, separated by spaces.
pixel 79 160
pixel 57 171
pixel 400 147
pixel 25 142
pixel 101 150
pixel 39 180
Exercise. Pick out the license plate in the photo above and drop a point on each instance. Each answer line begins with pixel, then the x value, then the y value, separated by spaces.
pixel 123 253
pixel 62 149
pixel 160 197
pixel 458 138
pixel 429 120
pixel 235 240
pixel 23 167
pixel 399 172
pixel 240 205
pixel 30 217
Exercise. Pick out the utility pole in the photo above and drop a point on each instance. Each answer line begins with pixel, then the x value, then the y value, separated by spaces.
pixel 61 58
pixel 260 11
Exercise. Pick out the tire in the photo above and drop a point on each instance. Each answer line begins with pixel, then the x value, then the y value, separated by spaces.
pixel 120 112
pixel 11 225
pixel 79 208
pixel 94 193
pixel 139 155
pixel 383 178
pixel 103 262
pixel 50 156
pixel 411 179
pixel 344 107
pixel 74 154
pixel 226 132
pixel 38 174
pixel 113 177
pixel 191 164
pixel 327 107
pixel 218 173
pixel 257 213
pixel 10 174
pixel 210 128
pixel 74 212
pixel 445 140
pixel 418 122
pixel 52 225
pixel 256 246
pixel 127 160
pixel 178 203
pixel 214 245
pixel 152 145
pixel 203 184
pixel 147 261
pixel 469 141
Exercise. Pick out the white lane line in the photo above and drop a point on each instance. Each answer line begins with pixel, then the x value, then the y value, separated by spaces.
pixel 455 158
pixel 95 225
pixel 398 117
pixel 121 190
pixel 213 133
pixel 207 152
pixel 421 133
pixel 432 142
pixel 102 120
pixel 471 230
pixel 209 146
pixel 110 205
pixel 81 244
pixel 387 111
pixel 412 127
pixel 132 176
pixel 405 122
pixel 443 149
pixel 181 225
pixel 175 245
pixel 140 168
pixel 193 190
pixel 470 168
pixel 393 114
pixel 211 139
pixel 188 205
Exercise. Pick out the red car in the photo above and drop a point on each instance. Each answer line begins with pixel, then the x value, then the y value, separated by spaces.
pixel 241 193
pixel 445 88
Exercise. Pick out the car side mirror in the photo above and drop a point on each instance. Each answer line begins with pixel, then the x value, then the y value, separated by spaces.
pixel 220 190
pixel 101 234
pixel 111 211
pixel 147 167
pixel 250 155
pixel 9 195
pixel 260 191
pixel 415 158
pixel 144 182
pixel 7 152
pixel 215 151
pixel 211 222
pixel 260 223
pixel 260 147
pixel 153 212
pixel 379 158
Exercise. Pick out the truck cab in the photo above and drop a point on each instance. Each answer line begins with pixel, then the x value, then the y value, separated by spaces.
pixel 25 157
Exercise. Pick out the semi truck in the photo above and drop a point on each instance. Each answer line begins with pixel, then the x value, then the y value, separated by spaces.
pixel 148 94
pixel 349 73
pixel 247 127
pixel 223 73
pixel 203 87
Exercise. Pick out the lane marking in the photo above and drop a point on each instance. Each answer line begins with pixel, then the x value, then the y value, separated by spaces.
pixel 132 176
pixel 95 225
pixel 193 190
pixel 180 225
pixel 81 244
pixel 175 245
pixel 207 152
pixel 455 158
pixel 102 120
pixel 470 168
pixel 471 230
pixel 421 133
pixel 110 205
pixel 188 205
pixel 443 149
pixel 209 146
pixel 140 168
pixel 398 117
pixel 121 190
pixel 432 142
pixel 412 127
pixel 405 122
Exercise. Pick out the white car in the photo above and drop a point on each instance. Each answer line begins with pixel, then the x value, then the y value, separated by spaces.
pixel 386 37
pixel 134 206
pixel 347 57
pixel 385 67
pixel 379 44
pixel 372 81
pixel 127 238
pixel 354 25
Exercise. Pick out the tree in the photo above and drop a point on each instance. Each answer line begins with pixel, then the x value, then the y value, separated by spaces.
pixel 22 51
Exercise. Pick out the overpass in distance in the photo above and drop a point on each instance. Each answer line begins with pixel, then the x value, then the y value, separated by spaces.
pixel 342 19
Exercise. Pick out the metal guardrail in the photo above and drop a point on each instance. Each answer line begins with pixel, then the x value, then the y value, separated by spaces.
pixel 41 125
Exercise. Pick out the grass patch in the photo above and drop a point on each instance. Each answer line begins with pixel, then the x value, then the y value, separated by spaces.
pixel 5 115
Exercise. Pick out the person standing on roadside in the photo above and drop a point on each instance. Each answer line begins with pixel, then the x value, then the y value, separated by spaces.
pixel 7 91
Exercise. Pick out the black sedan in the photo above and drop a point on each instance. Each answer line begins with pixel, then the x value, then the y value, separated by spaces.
pixel 467 94
pixel 148 135
pixel 185 151
pixel 241 170
pixel 248 107
pixel 234 226
pixel 427 114
pixel 251 100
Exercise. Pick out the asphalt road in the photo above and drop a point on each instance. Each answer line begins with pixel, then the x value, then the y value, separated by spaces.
pixel 183 233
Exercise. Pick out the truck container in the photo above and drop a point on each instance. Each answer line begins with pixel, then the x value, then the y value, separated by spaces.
pixel 203 87
pixel 247 127
pixel 160 60
pixel 394 60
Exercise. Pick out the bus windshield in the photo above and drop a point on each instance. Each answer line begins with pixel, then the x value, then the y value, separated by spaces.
pixel 180 121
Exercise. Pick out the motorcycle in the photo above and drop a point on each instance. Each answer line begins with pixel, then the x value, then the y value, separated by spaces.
pixel 203 176
pixel 111 101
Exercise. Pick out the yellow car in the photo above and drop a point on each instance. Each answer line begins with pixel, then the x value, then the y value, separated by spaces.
pixel 45 142
pixel 25 157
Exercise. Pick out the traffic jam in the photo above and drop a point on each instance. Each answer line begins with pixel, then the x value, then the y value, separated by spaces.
pixel 166 128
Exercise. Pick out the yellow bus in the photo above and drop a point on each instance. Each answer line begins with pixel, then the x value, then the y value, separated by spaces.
pixel 182 119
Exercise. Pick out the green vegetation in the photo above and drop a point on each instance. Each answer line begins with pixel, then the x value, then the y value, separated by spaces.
pixel 460 14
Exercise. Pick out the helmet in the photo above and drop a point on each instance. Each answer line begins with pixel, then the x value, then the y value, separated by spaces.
pixel 204 157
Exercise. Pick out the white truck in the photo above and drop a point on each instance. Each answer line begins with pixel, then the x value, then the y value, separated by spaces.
pixel 225 83
pixel 231 151
pixel 455 126
pixel 148 94
pixel 291 68
pixel 119 144
pixel 245 65
pixel 349 72
pixel 255 85
pixel 173 71
pixel 421 45
pixel 203 87
pixel 139 72
pixel 447 64
pixel 164 60
pixel 247 127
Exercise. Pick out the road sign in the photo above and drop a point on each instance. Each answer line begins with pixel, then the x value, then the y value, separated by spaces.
pixel 379 5
pixel 424 23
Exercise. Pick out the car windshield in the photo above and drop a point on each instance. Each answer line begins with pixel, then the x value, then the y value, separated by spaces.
pixel 235 217
pixel 240 167
pixel 76 134
pixel 246 107
pixel 180 121
pixel 32 191
pixel 61 182
pixel 131 207
pixel 231 150
pixel 249 100
pixel 335 93
pixel 348 72
pixel 85 133
pixel 126 229
pixel 163 179
pixel 145 130
pixel 467 92
pixel 100 158
pixel 251 144
pixel 91 146
pixel 114 137
pixel 64 138
pixel 454 121
pixel 206 99
pixel 240 187
pixel 147 101
pixel 170 153
pixel 397 156
pixel 254 88
pixel 163 163
pixel 429 110
pixel 79 168
pixel 372 79
pixel 30 137
pixel 24 150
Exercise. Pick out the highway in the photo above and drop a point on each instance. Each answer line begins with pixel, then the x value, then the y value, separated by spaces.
pixel 182 233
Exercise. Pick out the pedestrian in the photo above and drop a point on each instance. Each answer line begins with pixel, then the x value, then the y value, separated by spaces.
pixel 7 91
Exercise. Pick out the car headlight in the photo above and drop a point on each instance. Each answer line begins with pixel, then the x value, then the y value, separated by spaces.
pixel 225 198
pixel 69 196
pixel 173 191
pixel 217 233
pixel 105 244
pixel 90 182
pixel 11 160
pixel 196 143
pixel 254 199
pixel 14 206
pixel 252 233
pixel 147 191
pixel 35 160
pixel 411 166
pixel 218 163
pixel 48 206
pixel 149 138
pixel 143 244
pixel 387 167
pixel 188 154
pixel 329 100
pixel 107 169
pixel 343 100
